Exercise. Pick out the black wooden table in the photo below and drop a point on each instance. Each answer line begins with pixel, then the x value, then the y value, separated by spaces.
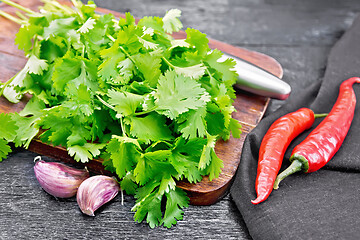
pixel 299 34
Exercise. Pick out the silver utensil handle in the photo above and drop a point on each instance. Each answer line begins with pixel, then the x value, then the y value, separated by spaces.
pixel 258 81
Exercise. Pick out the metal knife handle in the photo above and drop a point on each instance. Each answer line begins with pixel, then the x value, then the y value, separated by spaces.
pixel 256 80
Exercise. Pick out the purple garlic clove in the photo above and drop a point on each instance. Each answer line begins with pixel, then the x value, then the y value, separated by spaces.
pixel 58 179
pixel 95 192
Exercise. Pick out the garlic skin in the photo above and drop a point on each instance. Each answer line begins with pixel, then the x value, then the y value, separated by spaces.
pixel 95 192
pixel 59 179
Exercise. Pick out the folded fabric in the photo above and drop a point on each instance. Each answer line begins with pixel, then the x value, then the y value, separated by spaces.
pixel 319 205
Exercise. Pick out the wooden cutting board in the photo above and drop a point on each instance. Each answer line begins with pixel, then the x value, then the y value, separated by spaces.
pixel 250 109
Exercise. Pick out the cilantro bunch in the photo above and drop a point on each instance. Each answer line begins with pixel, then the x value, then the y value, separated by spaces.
pixel 151 106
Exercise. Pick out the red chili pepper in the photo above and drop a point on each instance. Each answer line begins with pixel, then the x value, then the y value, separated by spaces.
pixel 274 145
pixel 325 140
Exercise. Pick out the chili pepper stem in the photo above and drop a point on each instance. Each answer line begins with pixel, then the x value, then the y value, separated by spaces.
pixel 294 167
pixel 320 115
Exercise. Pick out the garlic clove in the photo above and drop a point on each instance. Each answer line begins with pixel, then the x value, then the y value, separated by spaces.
pixel 59 179
pixel 96 191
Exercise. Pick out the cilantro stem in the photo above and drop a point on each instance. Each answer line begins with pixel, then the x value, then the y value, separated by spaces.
pixel 112 108
pixel 59 6
pixel 145 112
pixel 5 84
pixel 121 48
pixel 111 37
pixel 12 18
pixel 208 72
pixel 127 54
pixel 167 62
pixel 77 6
pixel 122 127
pixel 105 103
pixel 18 6
pixel 21 16
pixel 83 51
pixel 75 3
pixel 115 21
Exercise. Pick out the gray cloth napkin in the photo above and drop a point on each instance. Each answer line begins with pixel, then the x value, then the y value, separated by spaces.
pixel 320 205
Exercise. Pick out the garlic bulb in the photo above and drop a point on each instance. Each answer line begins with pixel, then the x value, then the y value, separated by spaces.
pixel 95 192
pixel 58 179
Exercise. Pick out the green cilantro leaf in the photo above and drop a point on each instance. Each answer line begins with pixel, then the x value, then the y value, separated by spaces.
pixel 148 44
pixel 89 24
pixel 235 128
pixel 127 21
pixel 154 213
pixel 111 58
pixel 215 120
pixel 33 107
pixel 175 201
pixel 66 69
pixel 128 184
pixel 52 49
pixel 8 127
pixel 192 124
pixel 206 155
pixel 88 10
pixel 25 35
pixel 148 204
pixel 171 21
pixel 73 38
pixel 125 103
pixel 95 39
pixel 85 152
pixel 58 129
pixel 177 94
pixel 36 65
pixel 155 23
pixel 27 129
pixel 150 128
pixel 11 89
pixel 198 40
pixel 215 166
pixel 141 172
pixel 194 72
pixel 124 153
pixel 179 43
pixel 149 65
pixel 187 164
pixel 126 71
pixel 5 149
pixel 60 27
pixel 225 68
pixel 128 39
pixel 153 165
pixel 76 70
pixel 81 99
pixel 167 184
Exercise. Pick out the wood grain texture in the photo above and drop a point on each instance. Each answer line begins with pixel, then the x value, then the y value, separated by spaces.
pixel 250 109
pixel 28 212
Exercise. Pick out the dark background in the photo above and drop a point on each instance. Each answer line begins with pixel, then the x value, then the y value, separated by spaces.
pixel 299 34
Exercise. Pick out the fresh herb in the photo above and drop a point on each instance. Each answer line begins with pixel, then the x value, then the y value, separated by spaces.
pixel 151 106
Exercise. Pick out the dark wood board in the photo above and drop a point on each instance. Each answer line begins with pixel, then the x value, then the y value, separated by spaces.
pixel 250 109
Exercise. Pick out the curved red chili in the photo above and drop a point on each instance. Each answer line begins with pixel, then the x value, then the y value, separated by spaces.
pixel 325 140
pixel 273 147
